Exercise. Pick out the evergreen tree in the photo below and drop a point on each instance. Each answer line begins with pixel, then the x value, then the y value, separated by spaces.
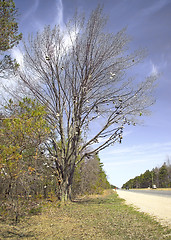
pixel 89 177
pixel 163 176
pixel 9 36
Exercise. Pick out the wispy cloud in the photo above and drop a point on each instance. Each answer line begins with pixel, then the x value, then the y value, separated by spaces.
pixel 150 155
pixel 144 148
pixel 31 10
pixel 154 70
pixel 59 14
pixel 157 5
pixel 120 163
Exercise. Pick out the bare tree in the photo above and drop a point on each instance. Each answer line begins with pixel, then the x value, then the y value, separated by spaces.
pixel 79 73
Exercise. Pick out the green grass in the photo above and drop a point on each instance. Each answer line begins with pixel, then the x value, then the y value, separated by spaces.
pixel 100 217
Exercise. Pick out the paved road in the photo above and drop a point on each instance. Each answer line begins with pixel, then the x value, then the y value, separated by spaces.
pixel 158 206
pixel 164 193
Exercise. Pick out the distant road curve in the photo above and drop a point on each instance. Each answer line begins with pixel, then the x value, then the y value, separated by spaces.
pixel 164 193
pixel 159 206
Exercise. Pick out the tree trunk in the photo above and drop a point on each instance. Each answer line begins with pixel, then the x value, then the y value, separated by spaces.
pixel 63 191
pixel 65 183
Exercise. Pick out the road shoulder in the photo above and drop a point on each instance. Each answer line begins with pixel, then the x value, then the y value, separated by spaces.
pixel 157 206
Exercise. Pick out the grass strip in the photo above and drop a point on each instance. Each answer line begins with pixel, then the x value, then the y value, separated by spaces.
pixel 101 217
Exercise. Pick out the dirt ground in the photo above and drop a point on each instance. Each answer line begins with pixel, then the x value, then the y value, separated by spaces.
pixel 157 206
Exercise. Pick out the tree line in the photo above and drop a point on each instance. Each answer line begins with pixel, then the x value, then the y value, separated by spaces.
pixel 159 176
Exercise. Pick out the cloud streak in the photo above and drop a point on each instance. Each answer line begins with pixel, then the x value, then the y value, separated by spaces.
pixel 147 154
pixel 120 163
pixel 144 148
pixel 32 10
pixel 154 70
pixel 59 18
pixel 155 7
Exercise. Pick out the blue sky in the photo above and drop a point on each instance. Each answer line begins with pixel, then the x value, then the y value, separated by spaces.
pixel 148 23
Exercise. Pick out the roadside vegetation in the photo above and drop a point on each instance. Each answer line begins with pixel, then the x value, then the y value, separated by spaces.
pixel 27 172
pixel 48 154
pixel 158 176
pixel 90 217
pixel 79 75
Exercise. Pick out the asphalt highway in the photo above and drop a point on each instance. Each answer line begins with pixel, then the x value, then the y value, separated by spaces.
pixel 163 193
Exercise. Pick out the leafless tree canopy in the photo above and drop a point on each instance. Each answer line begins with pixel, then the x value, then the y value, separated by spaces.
pixel 79 73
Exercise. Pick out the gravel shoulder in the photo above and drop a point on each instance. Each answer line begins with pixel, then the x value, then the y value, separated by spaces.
pixel 157 206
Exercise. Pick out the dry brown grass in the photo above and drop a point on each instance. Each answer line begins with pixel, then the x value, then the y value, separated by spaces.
pixel 95 217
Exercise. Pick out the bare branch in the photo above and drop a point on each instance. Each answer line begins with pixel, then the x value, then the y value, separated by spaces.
pixel 79 74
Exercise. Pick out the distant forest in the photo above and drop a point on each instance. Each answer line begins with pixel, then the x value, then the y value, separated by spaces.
pixel 159 176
